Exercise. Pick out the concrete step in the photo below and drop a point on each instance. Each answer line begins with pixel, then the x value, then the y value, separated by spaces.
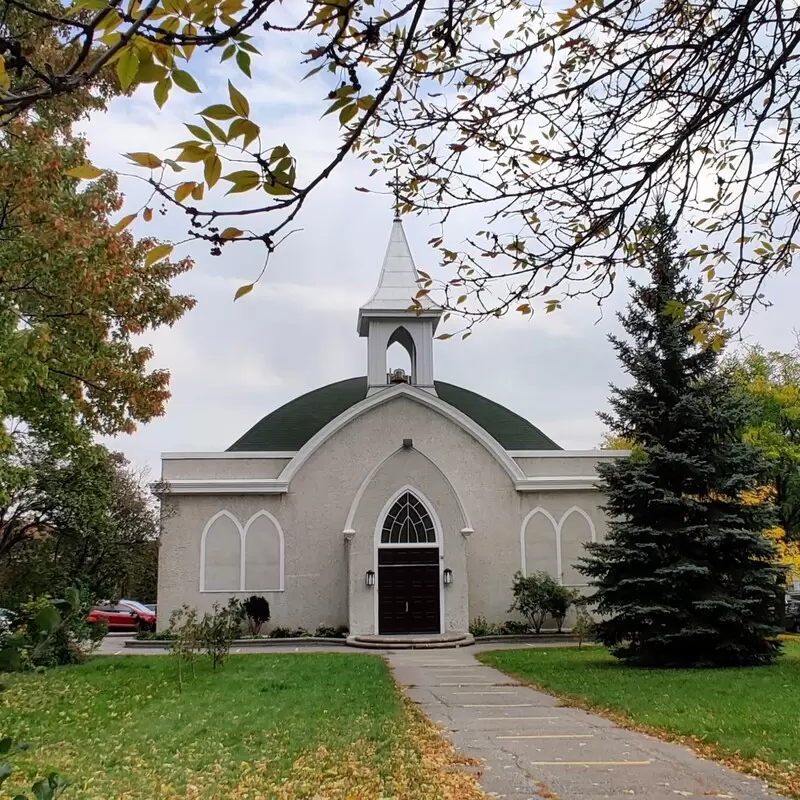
pixel 425 642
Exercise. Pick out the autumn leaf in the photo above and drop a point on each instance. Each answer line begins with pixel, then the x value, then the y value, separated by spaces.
pixel 361 189
pixel 127 67
pixel 212 169
pixel 243 60
pixel 231 233
pixel 458 148
pixel 85 172
pixel 242 181
pixel 124 222
pixel 242 291
pixel 347 113
pixel 238 101
pixel 157 253
pixel 161 92
pixel 200 133
pixel 185 81
pixel 183 191
pixel 148 214
pixel 144 159
pixel 218 111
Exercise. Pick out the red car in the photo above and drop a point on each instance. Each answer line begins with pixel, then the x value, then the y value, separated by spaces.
pixel 123 616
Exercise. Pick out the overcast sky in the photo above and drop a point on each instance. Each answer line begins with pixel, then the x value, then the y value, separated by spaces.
pixel 233 363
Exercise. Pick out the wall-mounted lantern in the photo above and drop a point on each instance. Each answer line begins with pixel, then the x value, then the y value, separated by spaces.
pixel 369 578
pixel 447 577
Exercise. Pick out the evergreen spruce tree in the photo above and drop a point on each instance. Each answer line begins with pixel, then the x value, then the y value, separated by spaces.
pixel 685 576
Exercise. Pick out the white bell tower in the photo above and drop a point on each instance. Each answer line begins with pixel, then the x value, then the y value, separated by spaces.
pixel 385 319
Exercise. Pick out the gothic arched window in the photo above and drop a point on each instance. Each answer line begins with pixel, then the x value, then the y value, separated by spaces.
pixel 408 522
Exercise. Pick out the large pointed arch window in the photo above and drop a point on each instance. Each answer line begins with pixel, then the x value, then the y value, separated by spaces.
pixel 408 522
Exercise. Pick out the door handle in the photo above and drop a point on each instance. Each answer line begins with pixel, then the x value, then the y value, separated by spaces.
pixel 406 606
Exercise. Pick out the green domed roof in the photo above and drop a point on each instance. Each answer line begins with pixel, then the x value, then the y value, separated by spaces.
pixel 293 424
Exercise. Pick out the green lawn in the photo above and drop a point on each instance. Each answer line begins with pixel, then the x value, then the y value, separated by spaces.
pixel 263 726
pixel 751 713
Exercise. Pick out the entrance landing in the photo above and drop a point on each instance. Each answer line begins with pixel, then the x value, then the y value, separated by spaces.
pixel 427 641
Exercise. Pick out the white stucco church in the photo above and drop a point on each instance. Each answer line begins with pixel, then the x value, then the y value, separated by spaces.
pixel 391 504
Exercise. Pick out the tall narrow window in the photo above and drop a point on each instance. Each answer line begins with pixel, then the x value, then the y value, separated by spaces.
pixel 408 522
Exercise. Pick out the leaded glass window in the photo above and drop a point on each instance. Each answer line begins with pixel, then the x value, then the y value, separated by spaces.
pixel 408 522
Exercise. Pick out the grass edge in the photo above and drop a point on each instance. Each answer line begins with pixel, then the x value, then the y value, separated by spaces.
pixel 780 780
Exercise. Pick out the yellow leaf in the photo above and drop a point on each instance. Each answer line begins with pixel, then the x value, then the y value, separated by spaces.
pixel 85 172
pixel 183 191
pixel 238 101
pixel 212 169
pixel 185 81
pixel 347 113
pixel 218 111
pixel 124 222
pixel 161 92
pixel 242 291
pixel 127 67
pixel 231 233
pixel 242 181
pixel 144 159
pixel 148 214
pixel 193 154
pixel 197 192
pixel 162 251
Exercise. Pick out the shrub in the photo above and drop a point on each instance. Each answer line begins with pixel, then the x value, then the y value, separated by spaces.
pixel 256 609
pixel 184 634
pixel 143 625
pixel 280 633
pixel 559 603
pixel 48 633
pixel 481 627
pixel 329 632
pixel 584 624
pixel 514 627
pixel 219 628
pixel 532 595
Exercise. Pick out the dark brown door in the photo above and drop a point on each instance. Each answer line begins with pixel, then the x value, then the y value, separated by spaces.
pixel 408 590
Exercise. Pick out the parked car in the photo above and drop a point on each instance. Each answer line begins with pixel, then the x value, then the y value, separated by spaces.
pixel 144 615
pixel 793 612
pixel 117 617
pixel 6 621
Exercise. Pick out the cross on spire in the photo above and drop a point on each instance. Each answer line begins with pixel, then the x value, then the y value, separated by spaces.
pixel 395 186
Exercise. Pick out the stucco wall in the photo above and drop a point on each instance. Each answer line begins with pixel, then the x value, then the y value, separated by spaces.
pixel 347 482
pixel 228 468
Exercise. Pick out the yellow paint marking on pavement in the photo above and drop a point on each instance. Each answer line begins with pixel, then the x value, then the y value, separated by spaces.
pixel 465 683
pixel 590 763
pixel 551 736
pixel 509 719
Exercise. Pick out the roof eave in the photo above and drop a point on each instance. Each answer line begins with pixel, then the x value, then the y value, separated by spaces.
pixel 367 314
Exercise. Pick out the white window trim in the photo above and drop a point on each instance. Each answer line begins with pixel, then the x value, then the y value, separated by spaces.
pixel 242 553
pixel 557 529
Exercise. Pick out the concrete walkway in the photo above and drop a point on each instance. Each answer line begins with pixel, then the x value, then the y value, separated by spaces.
pixel 533 748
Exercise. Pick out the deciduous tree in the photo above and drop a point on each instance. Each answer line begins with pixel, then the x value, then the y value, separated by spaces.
pixel 771 382
pixel 563 127
pixel 86 519
pixel 75 292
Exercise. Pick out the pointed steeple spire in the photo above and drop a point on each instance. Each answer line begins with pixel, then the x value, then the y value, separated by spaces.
pixel 399 280
pixel 385 318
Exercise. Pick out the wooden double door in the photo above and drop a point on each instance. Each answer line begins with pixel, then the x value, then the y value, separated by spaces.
pixel 408 590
